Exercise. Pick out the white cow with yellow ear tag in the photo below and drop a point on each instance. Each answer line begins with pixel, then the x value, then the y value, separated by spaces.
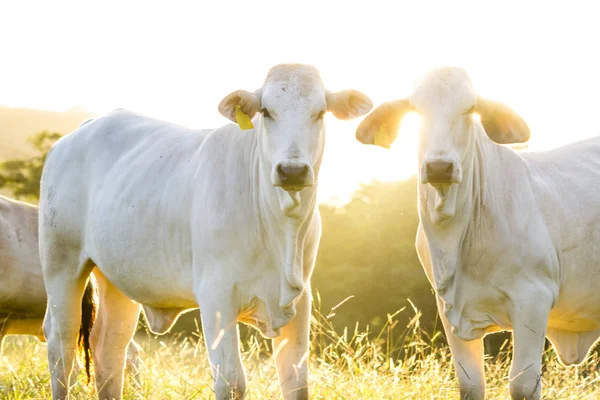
pixel 175 219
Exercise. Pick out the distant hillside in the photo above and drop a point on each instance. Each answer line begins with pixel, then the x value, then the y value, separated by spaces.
pixel 17 124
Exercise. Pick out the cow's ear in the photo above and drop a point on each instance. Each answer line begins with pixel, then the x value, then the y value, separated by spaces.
pixel 501 124
pixel 381 126
pixel 248 103
pixel 348 104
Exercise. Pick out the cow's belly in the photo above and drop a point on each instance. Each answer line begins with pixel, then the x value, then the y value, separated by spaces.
pixel 147 258
pixel 577 308
pixel 478 317
pixel 154 285
pixel 22 292
pixel 146 274
pixel 576 312
pixel 573 323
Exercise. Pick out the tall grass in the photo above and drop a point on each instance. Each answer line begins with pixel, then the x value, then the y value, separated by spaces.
pixel 398 362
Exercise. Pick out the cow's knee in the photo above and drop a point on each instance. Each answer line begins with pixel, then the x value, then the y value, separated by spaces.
pixel 51 336
pixel 526 387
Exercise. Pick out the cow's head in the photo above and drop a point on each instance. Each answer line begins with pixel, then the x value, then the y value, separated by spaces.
pixel 446 101
pixel 293 102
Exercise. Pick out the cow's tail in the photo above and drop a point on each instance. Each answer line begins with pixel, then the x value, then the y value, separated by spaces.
pixel 88 316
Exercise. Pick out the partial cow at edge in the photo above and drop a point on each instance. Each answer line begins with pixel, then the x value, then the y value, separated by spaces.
pixel 175 219
pixel 22 292
pixel 508 240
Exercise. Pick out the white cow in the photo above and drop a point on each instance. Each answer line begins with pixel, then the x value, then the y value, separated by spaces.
pixel 176 219
pixel 508 240
pixel 22 292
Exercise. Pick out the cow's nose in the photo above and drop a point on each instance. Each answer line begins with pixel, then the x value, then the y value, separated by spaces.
pixel 439 171
pixel 292 174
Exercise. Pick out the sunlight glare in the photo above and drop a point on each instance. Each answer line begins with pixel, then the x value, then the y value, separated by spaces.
pixel 403 152
pixel 180 60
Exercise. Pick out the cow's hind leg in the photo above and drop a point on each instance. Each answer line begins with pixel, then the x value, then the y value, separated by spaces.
pixel 66 272
pixel 221 335
pixel 111 335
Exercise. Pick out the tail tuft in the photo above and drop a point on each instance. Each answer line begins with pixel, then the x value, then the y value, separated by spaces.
pixel 88 316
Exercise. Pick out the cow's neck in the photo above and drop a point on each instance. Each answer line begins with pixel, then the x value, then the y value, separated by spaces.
pixel 288 216
pixel 474 208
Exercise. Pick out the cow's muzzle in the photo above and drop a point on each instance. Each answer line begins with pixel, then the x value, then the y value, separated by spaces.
pixel 293 175
pixel 440 173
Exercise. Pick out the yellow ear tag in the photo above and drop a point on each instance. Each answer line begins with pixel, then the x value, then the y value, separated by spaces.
pixel 242 119
pixel 381 137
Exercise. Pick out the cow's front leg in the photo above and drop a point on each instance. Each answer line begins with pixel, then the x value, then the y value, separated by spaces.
pixel 221 336
pixel 291 352
pixel 468 361
pixel 529 319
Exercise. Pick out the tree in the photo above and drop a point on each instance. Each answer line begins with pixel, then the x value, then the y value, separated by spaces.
pixel 22 176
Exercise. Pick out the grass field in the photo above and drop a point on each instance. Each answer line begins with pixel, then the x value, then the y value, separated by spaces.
pixel 353 365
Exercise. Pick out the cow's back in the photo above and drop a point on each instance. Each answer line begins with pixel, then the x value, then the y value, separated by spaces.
pixel 115 156
pixel 566 182
pixel 120 189
pixel 567 176
pixel 22 291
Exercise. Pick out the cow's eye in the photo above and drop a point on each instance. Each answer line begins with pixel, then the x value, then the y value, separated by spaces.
pixel 265 113
pixel 321 115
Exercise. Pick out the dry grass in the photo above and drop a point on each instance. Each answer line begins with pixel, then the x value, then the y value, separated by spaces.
pixel 353 365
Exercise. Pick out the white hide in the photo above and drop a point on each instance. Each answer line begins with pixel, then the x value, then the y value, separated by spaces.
pixel 512 245
pixel 177 219
pixel 22 292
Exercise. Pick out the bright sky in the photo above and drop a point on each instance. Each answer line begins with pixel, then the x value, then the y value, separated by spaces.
pixel 176 60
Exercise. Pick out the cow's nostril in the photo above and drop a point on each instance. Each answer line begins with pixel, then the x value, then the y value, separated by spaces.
pixel 280 171
pixel 292 171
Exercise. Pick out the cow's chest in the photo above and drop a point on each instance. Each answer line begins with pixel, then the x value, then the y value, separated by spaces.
pixel 474 310
pixel 486 286
pixel 259 298
pixel 256 315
